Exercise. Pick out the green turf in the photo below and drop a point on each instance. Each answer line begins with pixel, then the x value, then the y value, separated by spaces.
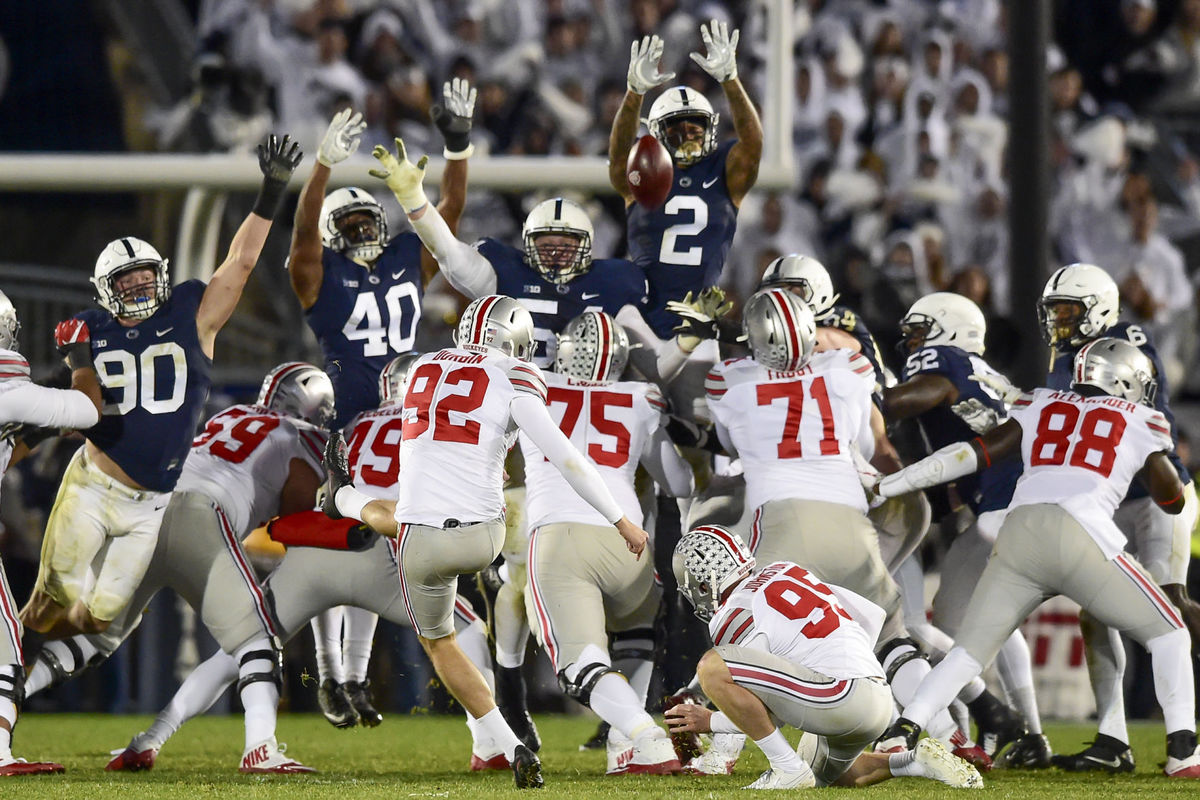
pixel 426 757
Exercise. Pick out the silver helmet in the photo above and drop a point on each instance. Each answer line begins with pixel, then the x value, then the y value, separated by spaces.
pixel 807 276
pixel 593 347
pixel 497 322
pixel 707 562
pixel 9 324
pixel 1092 290
pixel 563 217
pixel 393 381
pixel 683 102
pixel 135 302
pixel 780 329
pixel 1116 367
pixel 299 390
pixel 339 204
pixel 945 318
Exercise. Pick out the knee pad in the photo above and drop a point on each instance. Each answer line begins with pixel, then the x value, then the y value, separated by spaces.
pixel 274 675
pixel 12 683
pixel 638 643
pixel 586 679
pixel 896 653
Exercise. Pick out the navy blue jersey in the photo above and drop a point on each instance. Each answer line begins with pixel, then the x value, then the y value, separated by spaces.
pixel 1064 365
pixel 846 320
pixel 681 246
pixel 990 489
pixel 365 318
pixel 609 285
pixel 155 380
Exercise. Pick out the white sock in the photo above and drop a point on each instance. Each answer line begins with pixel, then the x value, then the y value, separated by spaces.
pixel 350 502
pixel 781 755
pixel 8 712
pixel 195 695
pixel 357 641
pixel 940 687
pixel 492 726
pixel 972 690
pixel 512 629
pixel 1015 668
pixel 1171 661
pixel 629 657
pixel 1106 668
pixel 615 702
pixel 904 765
pixel 327 636
pixel 260 698
pixel 962 718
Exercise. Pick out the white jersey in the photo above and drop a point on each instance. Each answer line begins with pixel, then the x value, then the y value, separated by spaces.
pixel 1081 453
pixel 24 402
pixel 787 611
pixel 794 430
pixel 242 458
pixel 610 423
pixel 457 430
pixel 373 451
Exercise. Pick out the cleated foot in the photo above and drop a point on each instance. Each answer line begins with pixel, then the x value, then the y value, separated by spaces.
pixel 527 769
pixel 335 704
pixel 359 695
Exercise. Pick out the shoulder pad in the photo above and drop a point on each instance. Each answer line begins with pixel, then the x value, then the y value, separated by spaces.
pixel 527 378
pixel 655 398
pixel 13 366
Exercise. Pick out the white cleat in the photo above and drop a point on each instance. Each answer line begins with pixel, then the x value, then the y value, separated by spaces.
pixel 1183 767
pixel 268 758
pixel 774 779
pixel 938 764
pixel 619 751
pixel 654 755
pixel 721 756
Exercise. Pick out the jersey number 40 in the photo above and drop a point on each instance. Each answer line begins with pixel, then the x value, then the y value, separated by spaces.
pixel 366 323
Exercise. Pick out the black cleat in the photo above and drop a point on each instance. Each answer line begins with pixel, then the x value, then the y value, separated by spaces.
pixel 335 704
pixel 900 736
pixel 360 697
pixel 510 697
pixel 998 724
pixel 527 770
pixel 1031 751
pixel 337 471
pixel 599 739
pixel 1106 754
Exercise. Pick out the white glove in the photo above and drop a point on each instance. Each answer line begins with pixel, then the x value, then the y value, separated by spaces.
pixel 402 176
pixel 644 73
pixel 342 137
pixel 868 476
pixel 1000 385
pixel 721 61
pixel 979 417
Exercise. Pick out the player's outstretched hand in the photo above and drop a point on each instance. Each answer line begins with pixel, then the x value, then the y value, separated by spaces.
pixel 278 158
pixel 721 47
pixel 74 341
pixel 342 138
pixel 402 176
pixel 644 72
pixel 1000 385
pixel 453 118
pixel 979 417
pixel 337 469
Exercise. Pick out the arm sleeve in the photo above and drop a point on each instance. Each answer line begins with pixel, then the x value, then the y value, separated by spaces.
pixel 660 361
pixel 666 466
pixel 465 267
pixel 51 408
pixel 535 421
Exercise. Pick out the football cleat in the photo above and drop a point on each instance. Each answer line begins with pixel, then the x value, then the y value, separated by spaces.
pixel 654 755
pixel 962 746
pixel 998 724
pixel 618 753
pixel 721 756
pixel 775 779
pixel 527 770
pixel 132 759
pixel 900 736
pixel 687 745
pixel 359 695
pixel 269 757
pixel 510 697
pixel 19 766
pixel 938 764
pixel 335 704
pixel 598 739
pixel 488 763
pixel 1105 754
pixel 1031 751
pixel 1183 767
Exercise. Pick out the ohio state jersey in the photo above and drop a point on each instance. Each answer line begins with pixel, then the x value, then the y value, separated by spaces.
pixel 794 430
pixel 241 461
pixel 787 611
pixel 610 423
pixel 364 318
pixel 457 430
pixel 373 451
pixel 1082 453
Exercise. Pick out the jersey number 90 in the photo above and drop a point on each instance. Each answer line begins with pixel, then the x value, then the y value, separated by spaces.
pixel 132 380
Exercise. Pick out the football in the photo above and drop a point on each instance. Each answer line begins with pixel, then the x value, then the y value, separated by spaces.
pixel 650 172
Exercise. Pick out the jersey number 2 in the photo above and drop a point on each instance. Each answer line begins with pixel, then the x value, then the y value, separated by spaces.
pixel 669 252
pixel 793 391
pixel 421 389
pixel 1100 431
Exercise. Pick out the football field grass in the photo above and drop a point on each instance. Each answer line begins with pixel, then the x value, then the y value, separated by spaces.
pixel 426 757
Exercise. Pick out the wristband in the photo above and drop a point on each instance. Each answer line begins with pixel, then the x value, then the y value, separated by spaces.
pixel 1165 503
pixel 78 356
pixel 458 155
pixel 270 198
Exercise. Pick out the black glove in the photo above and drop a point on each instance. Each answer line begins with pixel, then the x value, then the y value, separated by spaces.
pixel 453 118
pixel 277 161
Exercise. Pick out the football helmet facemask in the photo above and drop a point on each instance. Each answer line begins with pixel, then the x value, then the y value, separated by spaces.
pixel 1116 367
pixel 944 318
pixel 9 324
pixel 299 390
pixel 802 275
pixel 1080 302
pixel 592 347
pixel 677 104
pixel 132 302
pixel 393 380
pixel 361 241
pixel 780 329
pixel 707 562
pixel 560 217
pixel 499 323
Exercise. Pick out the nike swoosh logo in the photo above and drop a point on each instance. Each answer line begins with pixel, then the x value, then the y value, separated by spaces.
pixel 1115 763
pixel 588 295
pixel 710 182
pixel 397 274
pixel 164 331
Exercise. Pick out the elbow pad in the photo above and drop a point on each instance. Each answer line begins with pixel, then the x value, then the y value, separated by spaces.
pixel 952 461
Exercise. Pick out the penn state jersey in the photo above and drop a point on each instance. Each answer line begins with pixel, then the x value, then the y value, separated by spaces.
pixel 608 286
pixel 846 320
pixel 365 318
pixel 991 488
pixel 154 379
pixel 1062 367
pixel 681 247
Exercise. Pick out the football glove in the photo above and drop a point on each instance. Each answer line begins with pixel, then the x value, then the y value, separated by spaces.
pixel 277 161
pixel 699 316
pixel 72 339
pixel 402 176
pixel 979 417
pixel 453 118
pixel 721 61
pixel 1001 386
pixel 342 138
pixel 644 73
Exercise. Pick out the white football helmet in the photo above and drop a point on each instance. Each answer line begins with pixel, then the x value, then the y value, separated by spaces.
pixel 1097 297
pixel 807 275
pixel 780 329
pixel 499 323
pixel 350 200
pixel 122 255
pixel 592 347
pixel 393 381
pixel 1116 367
pixel 945 318
pixel 9 324
pixel 299 390
pixel 707 562
pixel 680 102
pixel 560 216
